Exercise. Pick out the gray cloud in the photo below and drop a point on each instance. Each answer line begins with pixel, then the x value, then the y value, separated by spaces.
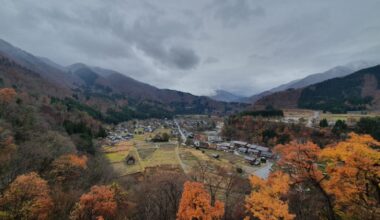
pixel 243 46
pixel 183 58
pixel 210 60
pixel 236 12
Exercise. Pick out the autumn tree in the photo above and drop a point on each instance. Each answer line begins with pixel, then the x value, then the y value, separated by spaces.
pixel 68 167
pixel 102 202
pixel 27 197
pixel 267 199
pixel 353 167
pixel 300 161
pixel 195 204
pixel 7 95
pixel 7 151
pixel 159 195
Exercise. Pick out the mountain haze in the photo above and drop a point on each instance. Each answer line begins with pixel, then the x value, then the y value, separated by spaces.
pixel 108 91
pixel 225 96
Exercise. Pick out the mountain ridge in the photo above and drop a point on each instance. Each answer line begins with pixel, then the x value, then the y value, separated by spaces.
pixel 355 92
pixel 109 91
pixel 225 96
pixel 338 71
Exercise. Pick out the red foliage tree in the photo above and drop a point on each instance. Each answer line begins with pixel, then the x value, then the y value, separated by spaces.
pixel 102 202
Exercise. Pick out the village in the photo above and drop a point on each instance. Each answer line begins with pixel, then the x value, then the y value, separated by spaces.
pixel 181 143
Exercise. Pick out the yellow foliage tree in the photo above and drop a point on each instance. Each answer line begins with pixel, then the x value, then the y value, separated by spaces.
pixel 353 167
pixel 266 201
pixel 195 204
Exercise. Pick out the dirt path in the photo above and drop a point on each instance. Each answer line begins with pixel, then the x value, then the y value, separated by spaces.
pixel 184 167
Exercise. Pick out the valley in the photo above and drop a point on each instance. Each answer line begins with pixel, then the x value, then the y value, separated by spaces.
pixel 189 110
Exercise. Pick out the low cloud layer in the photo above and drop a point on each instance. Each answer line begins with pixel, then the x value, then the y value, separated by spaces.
pixel 243 46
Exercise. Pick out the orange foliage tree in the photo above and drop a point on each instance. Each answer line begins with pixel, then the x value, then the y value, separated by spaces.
pixel 195 204
pixel 353 167
pixel 300 161
pixel 102 202
pixel 68 167
pixel 346 174
pixel 28 197
pixel 266 200
pixel 7 95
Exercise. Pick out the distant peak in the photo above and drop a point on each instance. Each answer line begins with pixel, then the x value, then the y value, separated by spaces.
pixel 74 67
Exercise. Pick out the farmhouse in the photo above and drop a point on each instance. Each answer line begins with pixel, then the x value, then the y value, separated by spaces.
pixel 238 144
pixel 130 160
pixel 225 146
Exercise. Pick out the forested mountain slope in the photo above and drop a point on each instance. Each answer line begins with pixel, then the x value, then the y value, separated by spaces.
pixel 357 91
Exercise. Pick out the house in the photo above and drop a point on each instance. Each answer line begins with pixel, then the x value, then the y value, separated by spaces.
pixel 223 146
pixel 238 144
pixel 213 137
pixel 259 148
pixel 252 151
pixel 130 160
pixel 242 149
pixel 267 154
pixel 252 160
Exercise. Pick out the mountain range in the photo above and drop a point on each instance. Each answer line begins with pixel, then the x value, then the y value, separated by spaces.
pixel 104 91
pixel 225 96
pixel 113 97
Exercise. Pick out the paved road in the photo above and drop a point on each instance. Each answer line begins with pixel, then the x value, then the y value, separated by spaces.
pixel 180 131
pixel 262 172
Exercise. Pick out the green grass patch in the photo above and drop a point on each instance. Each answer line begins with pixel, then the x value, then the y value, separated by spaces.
pixel 161 157
pixel 146 152
pixel 116 156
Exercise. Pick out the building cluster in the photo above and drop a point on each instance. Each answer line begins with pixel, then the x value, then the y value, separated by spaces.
pixel 244 148
pixel 127 130
pixel 196 124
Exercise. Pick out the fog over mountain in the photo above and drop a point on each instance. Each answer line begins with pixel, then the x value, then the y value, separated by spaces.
pixel 244 47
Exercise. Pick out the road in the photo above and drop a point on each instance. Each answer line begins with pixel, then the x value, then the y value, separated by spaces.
pixel 262 172
pixel 180 131
pixel 184 167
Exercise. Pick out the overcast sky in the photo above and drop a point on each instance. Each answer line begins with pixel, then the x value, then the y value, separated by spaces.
pixel 197 46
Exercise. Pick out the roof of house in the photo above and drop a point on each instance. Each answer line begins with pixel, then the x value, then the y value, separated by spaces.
pixel 239 142
pixel 257 147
